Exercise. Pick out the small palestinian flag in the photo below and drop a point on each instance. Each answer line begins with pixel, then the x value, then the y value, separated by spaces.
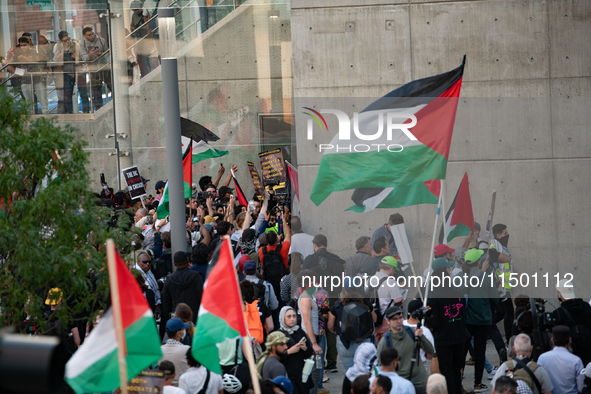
pixel 459 220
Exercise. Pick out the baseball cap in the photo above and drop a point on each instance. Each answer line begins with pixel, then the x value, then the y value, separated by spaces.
pixel 568 293
pixel 160 185
pixel 250 267
pixel 136 5
pixel 175 324
pixel 476 226
pixel 473 255
pixel 392 311
pixel 442 249
pixel 284 384
pixel 391 261
pixel 241 262
pixel 224 190
pixel 320 240
pixel 144 180
pixel 441 262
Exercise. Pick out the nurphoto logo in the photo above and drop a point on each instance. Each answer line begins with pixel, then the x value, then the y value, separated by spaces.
pixel 367 119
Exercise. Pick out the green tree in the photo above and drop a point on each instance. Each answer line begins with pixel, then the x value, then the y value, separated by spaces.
pixel 50 225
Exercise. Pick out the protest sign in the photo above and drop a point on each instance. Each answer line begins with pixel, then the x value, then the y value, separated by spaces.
pixel 134 182
pixel 148 381
pixel 256 181
pixel 401 240
pixel 273 168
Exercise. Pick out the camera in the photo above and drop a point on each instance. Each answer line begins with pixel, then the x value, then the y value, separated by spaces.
pixel 277 199
pixel 421 313
pixel 203 196
pixel 545 319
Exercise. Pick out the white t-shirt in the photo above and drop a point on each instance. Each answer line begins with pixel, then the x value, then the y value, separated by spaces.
pixel 427 333
pixel 193 380
pixel 385 292
pixel 172 390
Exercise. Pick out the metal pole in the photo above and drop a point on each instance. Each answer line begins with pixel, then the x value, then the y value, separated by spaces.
pixel 172 127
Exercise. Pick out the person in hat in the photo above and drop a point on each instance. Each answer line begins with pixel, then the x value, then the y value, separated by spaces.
pixel 448 324
pixel 283 383
pixel 268 365
pixel 387 288
pixel 401 338
pixel 169 374
pixel 183 285
pixel 174 350
pixel 482 301
pixel 264 288
pixel 573 311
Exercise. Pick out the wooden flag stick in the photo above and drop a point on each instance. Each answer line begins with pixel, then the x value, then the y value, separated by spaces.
pixel 433 246
pixel 249 353
pixel 116 305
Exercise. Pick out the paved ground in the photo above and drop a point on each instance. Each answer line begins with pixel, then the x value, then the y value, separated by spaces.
pixel 336 379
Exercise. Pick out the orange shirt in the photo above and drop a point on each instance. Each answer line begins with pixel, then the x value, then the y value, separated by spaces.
pixel 284 252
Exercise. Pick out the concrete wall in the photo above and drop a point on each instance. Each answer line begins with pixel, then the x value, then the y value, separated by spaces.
pixel 522 124
pixel 228 76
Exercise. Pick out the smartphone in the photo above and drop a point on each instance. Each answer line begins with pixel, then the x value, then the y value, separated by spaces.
pixel 303 339
pixel 251 206
pixel 103 178
pixel 195 218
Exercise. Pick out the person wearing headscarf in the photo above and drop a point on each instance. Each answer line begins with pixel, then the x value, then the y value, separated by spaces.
pixel 436 384
pixel 364 362
pixel 294 362
pixel 275 351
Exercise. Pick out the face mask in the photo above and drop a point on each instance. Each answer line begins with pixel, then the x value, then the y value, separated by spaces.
pixel 504 240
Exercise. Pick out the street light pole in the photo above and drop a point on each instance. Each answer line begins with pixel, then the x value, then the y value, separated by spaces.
pixel 172 127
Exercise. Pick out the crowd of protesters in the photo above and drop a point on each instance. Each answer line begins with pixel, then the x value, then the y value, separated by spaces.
pixel 384 337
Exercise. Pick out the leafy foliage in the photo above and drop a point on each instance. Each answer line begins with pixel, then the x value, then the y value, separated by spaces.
pixel 50 226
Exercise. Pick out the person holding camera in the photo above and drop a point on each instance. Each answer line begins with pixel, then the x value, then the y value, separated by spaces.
pixel 404 340
pixel 448 324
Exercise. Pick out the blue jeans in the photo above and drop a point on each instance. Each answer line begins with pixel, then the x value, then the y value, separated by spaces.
pixel 347 355
pixel 323 347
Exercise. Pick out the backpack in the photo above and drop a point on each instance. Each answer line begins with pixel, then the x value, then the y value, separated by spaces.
pixel 253 320
pixel 518 370
pixel 160 266
pixel 374 299
pixel 273 267
pixel 356 328
pixel 388 336
pixel 581 338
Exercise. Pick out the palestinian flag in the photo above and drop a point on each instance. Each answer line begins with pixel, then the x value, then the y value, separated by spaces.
pixel 163 209
pixel 239 193
pixel 433 101
pixel 220 315
pixel 188 171
pixel 460 218
pixel 203 151
pixel 396 197
pixel 95 366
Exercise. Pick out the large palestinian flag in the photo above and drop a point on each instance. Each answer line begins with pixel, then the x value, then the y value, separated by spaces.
pixel 433 101
pixel 459 219
pixel 396 197
pixel 94 368
pixel 220 315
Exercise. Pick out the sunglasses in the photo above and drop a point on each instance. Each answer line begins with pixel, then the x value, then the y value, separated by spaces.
pixel 146 261
pixel 66 39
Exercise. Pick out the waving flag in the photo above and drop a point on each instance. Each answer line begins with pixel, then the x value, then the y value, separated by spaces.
pixel 433 101
pixel 239 193
pixel 95 366
pixel 396 197
pixel 459 219
pixel 220 314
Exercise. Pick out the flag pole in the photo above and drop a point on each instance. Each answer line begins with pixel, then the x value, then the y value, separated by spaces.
pixel 116 305
pixel 249 352
pixel 443 209
pixel 433 246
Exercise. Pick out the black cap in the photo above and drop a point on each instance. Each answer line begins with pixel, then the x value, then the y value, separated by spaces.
pixel 224 190
pixel 160 185
pixel 180 257
pixel 414 305
pixel 204 181
pixel 320 240
pixel 392 311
